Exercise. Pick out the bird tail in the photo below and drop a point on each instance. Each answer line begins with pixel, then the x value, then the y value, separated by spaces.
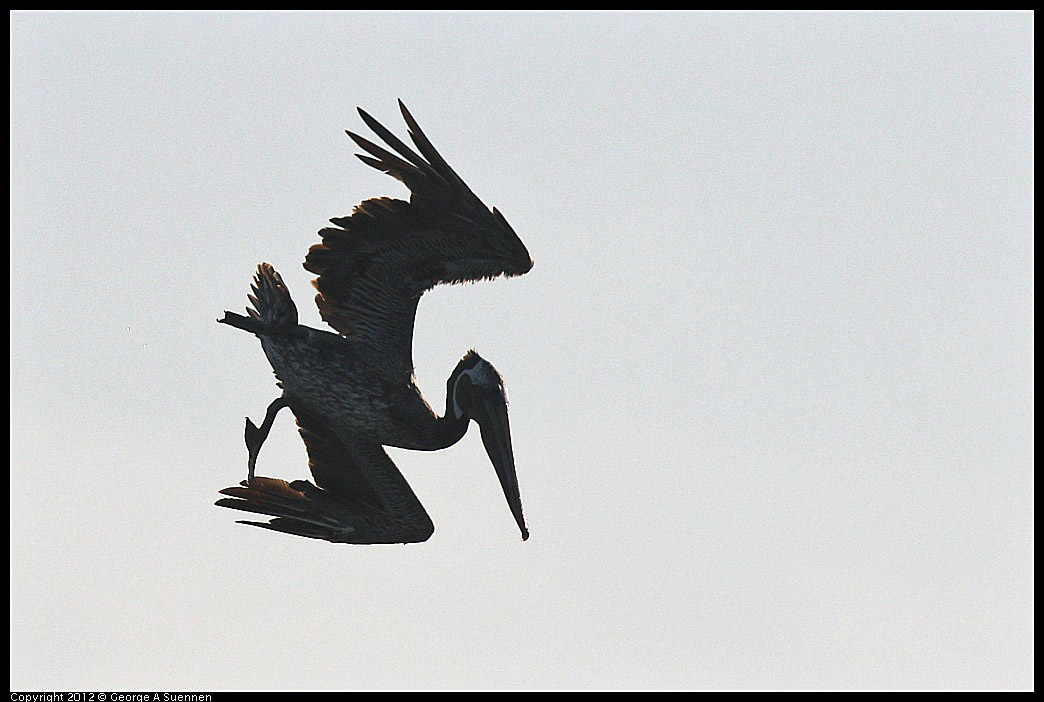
pixel 273 310
pixel 299 508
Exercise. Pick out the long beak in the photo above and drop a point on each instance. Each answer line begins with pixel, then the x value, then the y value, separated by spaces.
pixel 492 419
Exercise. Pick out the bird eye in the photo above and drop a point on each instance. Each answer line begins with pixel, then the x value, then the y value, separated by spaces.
pixel 462 395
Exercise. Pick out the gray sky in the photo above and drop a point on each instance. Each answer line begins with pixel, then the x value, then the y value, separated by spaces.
pixel 771 378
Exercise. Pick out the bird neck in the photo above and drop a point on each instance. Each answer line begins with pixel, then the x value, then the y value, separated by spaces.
pixel 432 433
pixel 449 428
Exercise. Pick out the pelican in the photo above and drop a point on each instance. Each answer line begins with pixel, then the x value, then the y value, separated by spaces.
pixel 354 392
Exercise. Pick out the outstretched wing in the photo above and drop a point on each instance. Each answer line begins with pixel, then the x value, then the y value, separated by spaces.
pixel 359 495
pixel 374 265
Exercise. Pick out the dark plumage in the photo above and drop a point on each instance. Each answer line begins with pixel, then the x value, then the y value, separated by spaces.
pixel 354 392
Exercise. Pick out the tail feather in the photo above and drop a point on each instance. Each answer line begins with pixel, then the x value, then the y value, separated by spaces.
pixel 273 309
pixel 289 526
pixel 299 508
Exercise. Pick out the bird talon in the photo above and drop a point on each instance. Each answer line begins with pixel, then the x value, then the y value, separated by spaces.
pixel 252 434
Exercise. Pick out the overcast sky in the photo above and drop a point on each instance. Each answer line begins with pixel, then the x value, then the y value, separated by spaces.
pixel 771 377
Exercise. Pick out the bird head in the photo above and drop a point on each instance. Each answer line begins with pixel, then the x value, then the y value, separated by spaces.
pixel 477 392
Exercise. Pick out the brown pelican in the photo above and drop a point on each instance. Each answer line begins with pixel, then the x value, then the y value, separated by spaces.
pixel 355 392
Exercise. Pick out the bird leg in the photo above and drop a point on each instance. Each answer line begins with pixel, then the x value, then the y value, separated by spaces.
pixel 255 436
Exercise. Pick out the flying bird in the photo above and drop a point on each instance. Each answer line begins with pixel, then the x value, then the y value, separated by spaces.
pixel 354 392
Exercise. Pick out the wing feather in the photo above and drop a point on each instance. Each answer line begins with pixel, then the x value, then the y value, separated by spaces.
pixel 333 466
pixel 374 265
pixel 428 150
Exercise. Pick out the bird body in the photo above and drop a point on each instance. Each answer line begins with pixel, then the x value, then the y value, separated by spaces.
pixel 319 369
pixel 354 392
